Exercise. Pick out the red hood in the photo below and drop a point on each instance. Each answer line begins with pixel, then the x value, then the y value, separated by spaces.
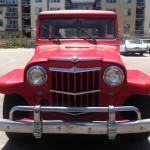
pixel 104 53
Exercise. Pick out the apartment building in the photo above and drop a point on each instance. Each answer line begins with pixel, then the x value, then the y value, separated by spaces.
pixel 10 18
pixel 147 19
pixel 16 16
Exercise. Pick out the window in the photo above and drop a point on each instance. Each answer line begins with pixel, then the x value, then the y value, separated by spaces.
pixel 110 1
pixel 38 1
pixel 38 10
pixel 127 12
pixel 1 23
pixel 85 7
pixel 127 1
pixel 54 8
pixel 54 1
pixel 111 9
pixel 1 10
pixel 76 7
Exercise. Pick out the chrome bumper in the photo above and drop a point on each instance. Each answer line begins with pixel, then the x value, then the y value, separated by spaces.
pixel 110 127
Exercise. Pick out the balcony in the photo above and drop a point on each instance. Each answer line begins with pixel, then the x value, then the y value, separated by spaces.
pixel 140 16
pixel 140 4
pixel 11 27
pixel 26 15
pixel 25 27
pixel 98 4
pixel 9 3
pixel 11 15
pixel 25 3
pixel 139 30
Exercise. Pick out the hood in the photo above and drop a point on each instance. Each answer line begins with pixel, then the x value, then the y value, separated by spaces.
pixel 101 52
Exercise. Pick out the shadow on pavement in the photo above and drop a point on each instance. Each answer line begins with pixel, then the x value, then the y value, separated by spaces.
pixel 76 143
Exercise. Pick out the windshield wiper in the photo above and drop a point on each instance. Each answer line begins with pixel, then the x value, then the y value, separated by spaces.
pixel 51 33
pixel 80 29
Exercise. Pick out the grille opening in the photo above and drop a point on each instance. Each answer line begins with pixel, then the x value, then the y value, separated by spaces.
pixel 68 89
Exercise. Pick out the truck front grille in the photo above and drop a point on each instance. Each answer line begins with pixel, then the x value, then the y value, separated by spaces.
pixel 75 89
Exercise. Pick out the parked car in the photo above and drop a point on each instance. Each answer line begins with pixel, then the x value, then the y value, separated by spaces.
pixel 146 43
pixel 132 47
pixel 76 82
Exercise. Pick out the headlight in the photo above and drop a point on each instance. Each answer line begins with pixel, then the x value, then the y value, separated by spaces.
pixel 113 76
pixel 36 75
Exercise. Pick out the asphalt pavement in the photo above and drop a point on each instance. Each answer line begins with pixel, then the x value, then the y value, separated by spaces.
pixel 17 58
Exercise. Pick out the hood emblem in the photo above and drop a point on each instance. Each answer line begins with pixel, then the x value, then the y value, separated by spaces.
pixel 74 59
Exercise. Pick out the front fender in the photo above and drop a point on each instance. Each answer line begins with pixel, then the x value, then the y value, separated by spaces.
pixel 137 83
pixel 12 82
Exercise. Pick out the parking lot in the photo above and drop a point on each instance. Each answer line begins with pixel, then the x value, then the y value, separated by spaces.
pixel 17 58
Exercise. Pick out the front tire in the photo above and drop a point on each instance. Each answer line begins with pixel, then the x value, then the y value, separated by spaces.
pixel 141 54
pixel 9 102
pixel 142 102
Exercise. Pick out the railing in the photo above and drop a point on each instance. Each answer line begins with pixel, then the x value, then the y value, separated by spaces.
pixel 139 28
pixel 6 2
pixel 26 15
pixel 140 16
pixel 25 3
pixel 11 14
pixel 140 4
pixel 24 27
pixel 11 27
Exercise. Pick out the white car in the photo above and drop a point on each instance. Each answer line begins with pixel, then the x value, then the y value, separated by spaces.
pixel 146 42
pixel 132 47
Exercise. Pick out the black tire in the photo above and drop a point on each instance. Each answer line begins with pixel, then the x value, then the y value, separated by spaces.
pixel 142 102
pixel 141 54
pixel 9 102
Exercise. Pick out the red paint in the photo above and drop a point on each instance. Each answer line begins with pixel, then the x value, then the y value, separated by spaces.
pixel 108 53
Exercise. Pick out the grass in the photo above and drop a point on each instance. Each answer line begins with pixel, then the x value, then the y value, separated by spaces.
pixel 15 42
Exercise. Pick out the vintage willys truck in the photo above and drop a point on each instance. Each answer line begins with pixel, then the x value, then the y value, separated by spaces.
pixel 76 82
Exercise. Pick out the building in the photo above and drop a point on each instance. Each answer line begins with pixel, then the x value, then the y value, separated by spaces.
pixel 10 18
pixel 16 16
pixel 147 19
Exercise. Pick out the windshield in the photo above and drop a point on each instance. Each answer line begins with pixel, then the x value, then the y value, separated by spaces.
pixel 77 28
pixel 133 42
pixel 146 41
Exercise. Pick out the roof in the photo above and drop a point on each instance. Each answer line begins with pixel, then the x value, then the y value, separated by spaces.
pixel 79 12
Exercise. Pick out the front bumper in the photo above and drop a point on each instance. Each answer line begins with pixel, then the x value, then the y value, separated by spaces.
pixel 110 127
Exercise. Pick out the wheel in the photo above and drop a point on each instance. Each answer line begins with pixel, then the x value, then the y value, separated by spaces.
pixel 9 102
pixel 142 102
pixel 141 54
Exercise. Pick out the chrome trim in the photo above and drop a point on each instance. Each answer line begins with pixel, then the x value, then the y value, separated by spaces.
pixel 75 94
pixel 110 127
pixel 36 67
pixel 37 124
pixel 110 68
pixel 75 59
pixel 74 69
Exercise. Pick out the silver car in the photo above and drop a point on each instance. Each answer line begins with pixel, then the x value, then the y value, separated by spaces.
pixel 146 42
pixel 132 47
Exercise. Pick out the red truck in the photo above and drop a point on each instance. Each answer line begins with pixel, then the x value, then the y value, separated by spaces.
pixel 76 82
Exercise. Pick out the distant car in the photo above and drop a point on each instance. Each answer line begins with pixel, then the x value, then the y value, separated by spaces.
pixel 146 42
pixel 132 47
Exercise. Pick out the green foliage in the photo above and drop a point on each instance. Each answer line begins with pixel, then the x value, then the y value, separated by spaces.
pixel 15 42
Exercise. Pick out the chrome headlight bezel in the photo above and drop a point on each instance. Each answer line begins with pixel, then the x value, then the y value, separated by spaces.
pixel 110 73
pixel 36 72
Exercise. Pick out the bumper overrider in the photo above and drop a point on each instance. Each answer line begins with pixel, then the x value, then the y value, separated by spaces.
pixel 110 127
